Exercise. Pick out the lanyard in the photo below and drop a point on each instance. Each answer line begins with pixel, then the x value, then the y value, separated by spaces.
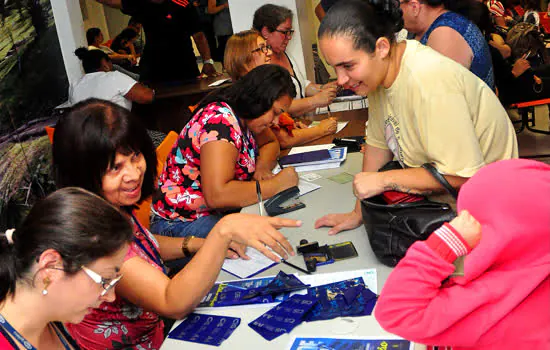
pixel 155 256
pixel 8 327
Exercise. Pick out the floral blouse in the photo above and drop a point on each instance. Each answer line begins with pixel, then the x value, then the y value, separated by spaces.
pixel 179 194
pixel 121 324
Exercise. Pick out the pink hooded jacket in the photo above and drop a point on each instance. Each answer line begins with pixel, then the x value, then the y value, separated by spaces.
pixel 503 300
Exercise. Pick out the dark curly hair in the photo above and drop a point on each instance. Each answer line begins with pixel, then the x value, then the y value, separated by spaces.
pixel 363 21
pixel 254 94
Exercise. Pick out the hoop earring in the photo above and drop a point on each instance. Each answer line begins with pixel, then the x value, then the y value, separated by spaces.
pixel 46 284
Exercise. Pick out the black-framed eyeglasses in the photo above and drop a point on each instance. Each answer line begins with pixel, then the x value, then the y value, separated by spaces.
pixel 287 33
pixel 264 48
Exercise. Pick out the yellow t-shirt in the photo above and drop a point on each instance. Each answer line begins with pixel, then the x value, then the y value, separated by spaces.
pixel 437 111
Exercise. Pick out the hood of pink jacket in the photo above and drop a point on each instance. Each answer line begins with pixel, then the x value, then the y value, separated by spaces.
pixel 511 200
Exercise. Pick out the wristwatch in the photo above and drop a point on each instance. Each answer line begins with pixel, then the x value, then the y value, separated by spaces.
pixel 185 245
pixel 209 61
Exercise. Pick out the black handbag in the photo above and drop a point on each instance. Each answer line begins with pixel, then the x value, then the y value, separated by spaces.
pixel 393 228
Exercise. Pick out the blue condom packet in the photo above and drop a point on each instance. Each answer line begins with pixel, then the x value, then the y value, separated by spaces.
pixel 344 298
pixel 283 317
pixel 283 283
pixel 233 297
pixel 205 329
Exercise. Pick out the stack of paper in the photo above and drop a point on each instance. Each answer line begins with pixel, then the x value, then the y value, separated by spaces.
pixel 337 156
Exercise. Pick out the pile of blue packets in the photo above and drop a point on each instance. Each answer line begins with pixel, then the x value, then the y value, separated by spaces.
pixel 344 298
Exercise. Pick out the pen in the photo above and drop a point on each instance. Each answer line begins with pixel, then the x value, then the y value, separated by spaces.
pixel 260 200
pixel 329 112
pixel 296 267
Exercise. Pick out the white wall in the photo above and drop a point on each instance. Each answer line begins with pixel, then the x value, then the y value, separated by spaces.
pixel 95 17
pixel 242 13
pixel 70 30
pixel 116 21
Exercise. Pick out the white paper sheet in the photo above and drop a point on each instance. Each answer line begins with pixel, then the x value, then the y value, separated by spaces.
pixel 306 187
pixel 219 82
pixel 339 128
pixel 247 268
pixel 303 149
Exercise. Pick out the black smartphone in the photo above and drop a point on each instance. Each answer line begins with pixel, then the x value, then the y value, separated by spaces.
pixel 341 251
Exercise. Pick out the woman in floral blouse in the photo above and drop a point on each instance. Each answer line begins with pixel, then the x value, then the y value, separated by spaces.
pixel 225 145
pixel 101 147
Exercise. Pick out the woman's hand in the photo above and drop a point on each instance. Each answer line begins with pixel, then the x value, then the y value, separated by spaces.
pixel 520 67
pixel 300 125
pixel 367 184
pixel 325 96
pixel 262 172
pixel 287 178
pixel 258 232
pixel 468 227
pixel 236 250
pixel 329 126
pixel 340 222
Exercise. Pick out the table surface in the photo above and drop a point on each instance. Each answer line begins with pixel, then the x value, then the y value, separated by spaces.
pixel 332 197
pixel 192 87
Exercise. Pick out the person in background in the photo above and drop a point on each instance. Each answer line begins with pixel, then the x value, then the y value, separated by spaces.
pixel 442 25
pixel 274 23
pixel 223 29
pixel 498 12
pixel 62 261
pixel 224 147
pixel 95 39
pixel 502 300
pixel 168 55
pixel 139 43
pixel 248 50
pixel 423 106
pixel 206 22
pixel 100 81
pixel 124 42
pixel 101 147
pixel 531 15
pixel 322 8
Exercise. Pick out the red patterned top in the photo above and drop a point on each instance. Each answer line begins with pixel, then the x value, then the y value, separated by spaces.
pixel 180 190
pixel 121 324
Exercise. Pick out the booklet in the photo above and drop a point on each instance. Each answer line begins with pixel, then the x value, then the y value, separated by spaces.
pixel 351 342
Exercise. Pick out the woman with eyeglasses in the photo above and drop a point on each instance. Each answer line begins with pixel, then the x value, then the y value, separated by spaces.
pixel 60 264
pixel 248 50
pixel 103 148
pixel 274 23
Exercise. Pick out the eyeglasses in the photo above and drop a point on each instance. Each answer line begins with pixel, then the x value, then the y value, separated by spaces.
pixel 106 283
pixel 265 49
pixel 287 33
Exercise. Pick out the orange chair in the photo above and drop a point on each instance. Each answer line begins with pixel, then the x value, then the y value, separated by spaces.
pixel 143 211
pixel 50 130
pixel 526 108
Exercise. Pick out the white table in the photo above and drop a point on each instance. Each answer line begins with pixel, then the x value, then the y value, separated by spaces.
pixel 331 198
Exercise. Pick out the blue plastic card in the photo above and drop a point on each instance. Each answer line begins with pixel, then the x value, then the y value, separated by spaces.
pixel 205 329
pixel 283 317
pixel 344 298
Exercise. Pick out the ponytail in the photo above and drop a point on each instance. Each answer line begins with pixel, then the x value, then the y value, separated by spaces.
pixel 364 21
pixel 7 267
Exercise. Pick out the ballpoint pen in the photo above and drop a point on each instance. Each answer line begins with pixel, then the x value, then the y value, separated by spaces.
pixel 260 200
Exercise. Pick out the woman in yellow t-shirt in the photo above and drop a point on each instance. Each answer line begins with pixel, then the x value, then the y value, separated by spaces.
pixel 423 106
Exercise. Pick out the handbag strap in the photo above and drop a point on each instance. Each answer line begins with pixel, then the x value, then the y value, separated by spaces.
pixel 441 179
